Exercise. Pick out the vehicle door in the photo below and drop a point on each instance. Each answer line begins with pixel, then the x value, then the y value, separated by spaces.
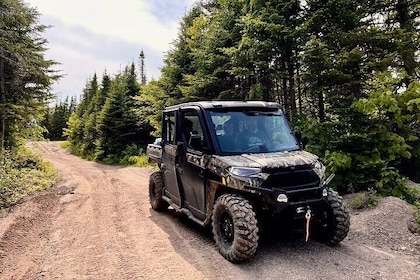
pixel 192 162
pixel 169 158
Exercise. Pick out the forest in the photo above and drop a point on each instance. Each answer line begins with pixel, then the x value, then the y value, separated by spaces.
pixel 345 72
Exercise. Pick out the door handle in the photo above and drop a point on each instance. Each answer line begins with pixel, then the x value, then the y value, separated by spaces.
pixel 178 167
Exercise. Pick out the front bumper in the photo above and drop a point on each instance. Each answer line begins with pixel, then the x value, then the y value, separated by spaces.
pixel 297 203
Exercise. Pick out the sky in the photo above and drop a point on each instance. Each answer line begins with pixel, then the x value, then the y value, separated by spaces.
pixel 93 36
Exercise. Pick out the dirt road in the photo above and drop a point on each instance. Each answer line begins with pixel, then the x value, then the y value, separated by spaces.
pixel 97 224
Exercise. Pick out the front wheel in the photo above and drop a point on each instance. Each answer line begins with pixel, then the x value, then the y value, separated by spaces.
pixel 156 185
pixel 235 227
pixel 335 223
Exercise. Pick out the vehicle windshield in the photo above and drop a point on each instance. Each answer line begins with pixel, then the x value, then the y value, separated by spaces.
pixel 240 132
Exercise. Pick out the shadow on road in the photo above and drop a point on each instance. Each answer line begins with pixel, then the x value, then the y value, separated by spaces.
pixel 280 255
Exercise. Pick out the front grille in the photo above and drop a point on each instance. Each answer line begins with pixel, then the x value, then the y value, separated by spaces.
pixel 290 179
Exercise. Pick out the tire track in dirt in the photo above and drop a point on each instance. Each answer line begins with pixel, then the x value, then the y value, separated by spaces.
pixel 95 231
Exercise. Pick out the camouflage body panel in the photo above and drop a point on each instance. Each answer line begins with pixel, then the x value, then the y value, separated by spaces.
pixel 171 149
pixel 265 161
pixel 268 160
pixel 220 164
pixel 154 153
pixel 199 160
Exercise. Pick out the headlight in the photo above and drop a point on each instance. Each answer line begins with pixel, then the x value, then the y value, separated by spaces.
pixel 319 169
pixel 282 198
pixel 244 171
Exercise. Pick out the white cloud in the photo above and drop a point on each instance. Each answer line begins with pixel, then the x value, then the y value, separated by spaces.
pixel 88 37
pixel 124 19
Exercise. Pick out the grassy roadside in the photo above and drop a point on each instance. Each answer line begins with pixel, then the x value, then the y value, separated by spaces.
pixel 129 157
pixel 22 173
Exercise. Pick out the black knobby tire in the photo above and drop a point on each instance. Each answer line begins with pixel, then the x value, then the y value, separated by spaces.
pixel 156 185
pixel 235 227
pixel 335 224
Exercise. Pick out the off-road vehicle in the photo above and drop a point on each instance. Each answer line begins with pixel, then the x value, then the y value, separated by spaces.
pixel 231 165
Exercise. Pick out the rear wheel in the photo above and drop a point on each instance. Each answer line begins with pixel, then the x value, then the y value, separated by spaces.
pixel 335 223
pixel 156 192
pixel 235 227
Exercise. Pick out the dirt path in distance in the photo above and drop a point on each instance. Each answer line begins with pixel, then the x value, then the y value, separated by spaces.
pixel 97 224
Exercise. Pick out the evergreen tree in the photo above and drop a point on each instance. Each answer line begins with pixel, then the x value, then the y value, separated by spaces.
pixel 142 68
pixel 131 81
pixel 269 50
pixel 76 132
pixel 400 19
pixel 118 125
pixel 348 49
pixel 25 75
pixel 98 96
pixel 212 32
pixel 104 126
pixel 56 119
pixel 179 61
pixel 149 105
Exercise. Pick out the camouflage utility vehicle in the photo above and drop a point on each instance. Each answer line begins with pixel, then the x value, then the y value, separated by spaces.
pixel 232 165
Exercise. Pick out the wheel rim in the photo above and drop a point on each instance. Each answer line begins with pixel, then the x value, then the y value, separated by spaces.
pixel 227 230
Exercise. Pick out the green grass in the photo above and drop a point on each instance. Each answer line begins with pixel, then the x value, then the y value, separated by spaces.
pixel 364 200
pixel 21 174
pixel 138 161
pixel 131 156
pixel 65 145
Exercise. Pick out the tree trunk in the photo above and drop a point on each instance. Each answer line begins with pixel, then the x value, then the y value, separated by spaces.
pixel 292 93
pixel 321 107
pixel 408 48
pixel 299 89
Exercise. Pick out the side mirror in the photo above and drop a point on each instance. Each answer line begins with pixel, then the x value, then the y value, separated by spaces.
pixel 195 142
pixel 302 141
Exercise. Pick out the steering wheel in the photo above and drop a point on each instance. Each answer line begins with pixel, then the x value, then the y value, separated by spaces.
pixel 256 148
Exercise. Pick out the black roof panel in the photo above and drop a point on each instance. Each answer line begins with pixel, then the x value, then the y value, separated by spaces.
pixel 224 104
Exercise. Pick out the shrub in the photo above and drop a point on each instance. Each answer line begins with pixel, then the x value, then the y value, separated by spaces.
pixel 22 173
pixel 414 225
pixel 364 200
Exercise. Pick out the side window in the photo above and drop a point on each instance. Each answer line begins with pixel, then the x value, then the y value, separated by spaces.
pixel 169 127
pixel 193 135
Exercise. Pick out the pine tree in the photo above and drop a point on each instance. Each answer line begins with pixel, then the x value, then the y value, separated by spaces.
pixel 142 69
pixel 348 55
pixel 117 123
pixel 179 61
pixel 25 75
pixel 76 124
pixel 132 84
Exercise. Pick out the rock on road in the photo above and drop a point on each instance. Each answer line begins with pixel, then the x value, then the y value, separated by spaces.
pixel 96 223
